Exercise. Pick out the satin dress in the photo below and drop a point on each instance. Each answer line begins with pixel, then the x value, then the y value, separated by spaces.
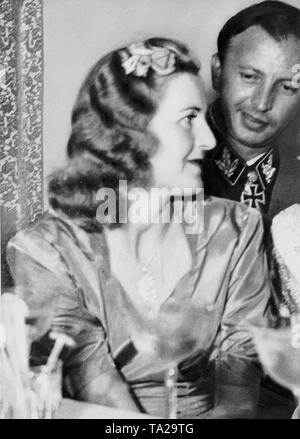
pixel 65 270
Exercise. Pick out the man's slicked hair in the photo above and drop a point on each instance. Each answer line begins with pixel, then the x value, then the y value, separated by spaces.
pixel 280 20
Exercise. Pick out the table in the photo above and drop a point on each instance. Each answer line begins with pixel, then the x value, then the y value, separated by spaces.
pixel 71 409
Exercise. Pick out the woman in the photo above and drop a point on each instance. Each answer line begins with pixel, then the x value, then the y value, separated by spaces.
pixel 139 132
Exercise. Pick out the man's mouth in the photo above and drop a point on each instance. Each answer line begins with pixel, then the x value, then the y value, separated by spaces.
pixel 253 123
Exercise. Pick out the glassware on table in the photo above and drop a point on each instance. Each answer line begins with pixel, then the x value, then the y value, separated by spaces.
pixel 178 330
pixel 27 393
pixel 13 358
pixel 279 352
pixel 45 391
pixel 45 381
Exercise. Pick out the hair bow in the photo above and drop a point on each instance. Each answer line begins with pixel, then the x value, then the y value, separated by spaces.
pixel 160 59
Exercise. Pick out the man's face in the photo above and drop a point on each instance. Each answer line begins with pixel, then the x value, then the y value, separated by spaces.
pixel 255 82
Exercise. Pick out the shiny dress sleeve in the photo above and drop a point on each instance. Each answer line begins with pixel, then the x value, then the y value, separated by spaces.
pixel 237 369
pixel 52 295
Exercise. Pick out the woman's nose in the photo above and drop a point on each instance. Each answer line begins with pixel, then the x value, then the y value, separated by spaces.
pixel 204 137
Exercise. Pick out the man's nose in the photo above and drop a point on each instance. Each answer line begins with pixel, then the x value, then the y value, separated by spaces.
pixel 263 98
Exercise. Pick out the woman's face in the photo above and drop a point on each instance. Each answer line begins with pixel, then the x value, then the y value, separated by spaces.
pixel 183 134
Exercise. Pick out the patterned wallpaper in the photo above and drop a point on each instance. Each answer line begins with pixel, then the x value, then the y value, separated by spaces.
pixel 21 87
pixel 21 64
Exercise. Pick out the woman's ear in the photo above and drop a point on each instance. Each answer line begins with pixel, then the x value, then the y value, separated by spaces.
pixel 216 70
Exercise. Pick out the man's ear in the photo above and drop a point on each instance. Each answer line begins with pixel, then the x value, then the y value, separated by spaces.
pixel 216 70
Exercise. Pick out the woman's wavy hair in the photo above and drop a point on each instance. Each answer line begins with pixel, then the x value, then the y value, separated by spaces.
pixel 109 140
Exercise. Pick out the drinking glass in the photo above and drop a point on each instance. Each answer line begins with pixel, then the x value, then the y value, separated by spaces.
pixel 178 330
pixel 279 352
pixel 45 391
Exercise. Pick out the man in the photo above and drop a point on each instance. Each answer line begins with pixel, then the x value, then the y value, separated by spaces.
pixel 255 72
pixel 255 75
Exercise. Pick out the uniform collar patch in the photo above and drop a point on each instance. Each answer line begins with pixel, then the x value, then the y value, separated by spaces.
pixel 228 164
pixel 232 167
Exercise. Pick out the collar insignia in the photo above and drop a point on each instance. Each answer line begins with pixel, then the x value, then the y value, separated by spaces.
pixel 228 164
pixel 232 167
pixel 266 169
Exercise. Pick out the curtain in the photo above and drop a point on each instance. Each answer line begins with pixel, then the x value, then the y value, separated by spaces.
pixel 21 90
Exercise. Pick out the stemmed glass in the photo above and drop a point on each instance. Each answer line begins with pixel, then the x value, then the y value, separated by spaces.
pixel 176 331
pixel 279 352
pixel 25 392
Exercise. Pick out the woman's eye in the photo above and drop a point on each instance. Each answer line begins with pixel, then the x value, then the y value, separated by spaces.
pixel 188 119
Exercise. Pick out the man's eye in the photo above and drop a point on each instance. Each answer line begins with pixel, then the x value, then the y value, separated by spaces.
pixel 288 89
pixel 248 77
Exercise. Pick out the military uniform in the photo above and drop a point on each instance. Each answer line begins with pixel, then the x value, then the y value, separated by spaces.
pixel 249 183
pixel 269 183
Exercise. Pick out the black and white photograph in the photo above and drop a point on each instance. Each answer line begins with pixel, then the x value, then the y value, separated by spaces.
pixel 150 212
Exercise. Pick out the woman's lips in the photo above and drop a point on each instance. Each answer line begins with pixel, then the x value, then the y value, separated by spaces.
pixel 196 165
pixel 197 162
